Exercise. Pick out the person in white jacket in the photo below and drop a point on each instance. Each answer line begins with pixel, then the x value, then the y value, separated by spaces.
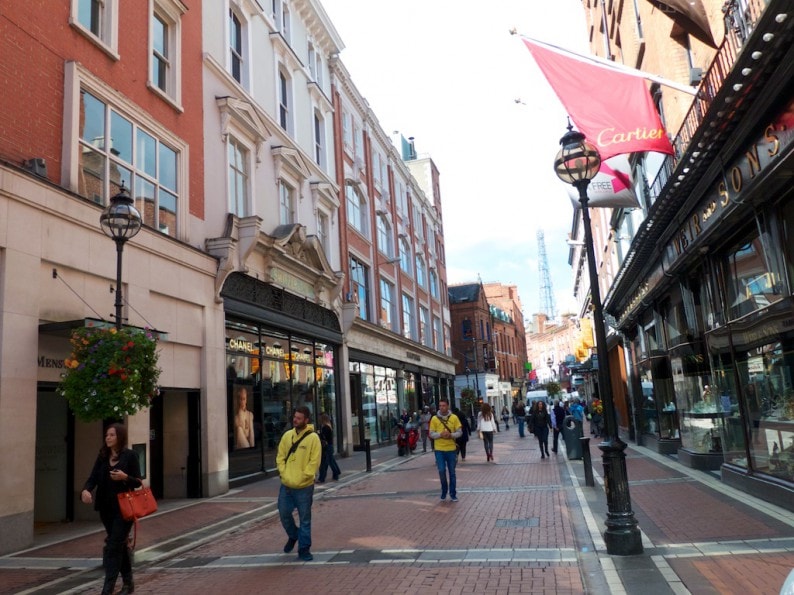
pixel 486 425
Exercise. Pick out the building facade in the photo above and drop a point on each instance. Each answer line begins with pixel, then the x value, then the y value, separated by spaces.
pixel 395 317
pixel 106 106
pixel 702 292
pixel 230 140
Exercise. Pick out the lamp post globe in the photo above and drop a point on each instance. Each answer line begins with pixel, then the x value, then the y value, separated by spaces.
pixel 120 221
pixel 577 163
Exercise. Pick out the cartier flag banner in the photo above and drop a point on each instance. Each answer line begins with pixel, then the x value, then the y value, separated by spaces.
pixel 612 108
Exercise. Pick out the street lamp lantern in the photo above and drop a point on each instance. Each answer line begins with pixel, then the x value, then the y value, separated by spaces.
pixel 578 162
pixel 120 221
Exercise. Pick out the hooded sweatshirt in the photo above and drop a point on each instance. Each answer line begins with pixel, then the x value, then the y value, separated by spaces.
pixel 437 426
pixel 299 469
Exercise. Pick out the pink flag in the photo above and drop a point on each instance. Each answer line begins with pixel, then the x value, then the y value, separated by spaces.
pixel 613 109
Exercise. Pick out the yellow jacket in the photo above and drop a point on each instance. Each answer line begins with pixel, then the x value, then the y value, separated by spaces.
pixel 436 427
pixel 299 471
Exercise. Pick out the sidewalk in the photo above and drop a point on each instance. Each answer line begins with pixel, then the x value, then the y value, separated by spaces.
pixel 522 525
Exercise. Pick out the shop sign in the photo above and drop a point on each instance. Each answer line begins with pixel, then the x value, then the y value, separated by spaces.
pixel 755 365
pixel 292 283
pixel 724 196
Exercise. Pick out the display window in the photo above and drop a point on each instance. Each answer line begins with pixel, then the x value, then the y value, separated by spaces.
pixel 766 373
pixel 268 374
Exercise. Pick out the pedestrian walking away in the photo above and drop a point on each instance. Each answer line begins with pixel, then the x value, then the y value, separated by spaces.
pixel 424 427
pixel 327 443
pixel 518 416
pixel 486 426
pixel 298 460
pixel 541 423
pixel 506 416
pixel 463 439
pixel 557 418
pixel 116 470
pixel 445 428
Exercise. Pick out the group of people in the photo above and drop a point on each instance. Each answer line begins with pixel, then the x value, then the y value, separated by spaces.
pixel 305 456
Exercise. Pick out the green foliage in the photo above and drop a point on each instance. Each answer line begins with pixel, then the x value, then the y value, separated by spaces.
pixel 553 388
pixel 110 373
pixel 468 399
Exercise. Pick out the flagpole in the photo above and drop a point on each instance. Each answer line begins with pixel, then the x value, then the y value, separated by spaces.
pixel 613 65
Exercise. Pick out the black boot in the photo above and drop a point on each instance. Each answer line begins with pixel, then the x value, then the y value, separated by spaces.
pixel 128 586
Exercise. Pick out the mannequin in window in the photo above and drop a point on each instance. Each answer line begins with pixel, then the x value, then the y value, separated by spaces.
pixel 243 421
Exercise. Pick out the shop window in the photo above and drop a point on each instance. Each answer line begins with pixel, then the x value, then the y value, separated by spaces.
pixel 766 375
pixel 752 279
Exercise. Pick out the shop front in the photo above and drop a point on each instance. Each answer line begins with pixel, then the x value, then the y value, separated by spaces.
pixel 712 324
pixel 275 362
pixel 383 391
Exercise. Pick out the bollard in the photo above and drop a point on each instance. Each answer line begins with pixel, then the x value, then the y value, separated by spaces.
pixel 588 465
pixel 369 455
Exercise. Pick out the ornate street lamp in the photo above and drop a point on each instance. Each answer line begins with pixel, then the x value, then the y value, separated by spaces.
pixel 120 221
pixel 577 163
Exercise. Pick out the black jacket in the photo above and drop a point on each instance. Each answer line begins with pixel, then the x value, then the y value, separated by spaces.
pixel 106 499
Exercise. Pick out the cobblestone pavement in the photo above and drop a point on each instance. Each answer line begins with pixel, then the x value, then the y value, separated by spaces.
pixel 522 525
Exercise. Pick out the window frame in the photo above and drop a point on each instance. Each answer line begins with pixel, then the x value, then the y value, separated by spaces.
pixel 169 12
pixel 356 210
pixel 233 51
pixel 236 141
pixel 286 203
pixel 384 233
pixel 388 307
pixel 284 99
pixel 77 80
pixel 106 37
pixel 409 316
pixel 359 280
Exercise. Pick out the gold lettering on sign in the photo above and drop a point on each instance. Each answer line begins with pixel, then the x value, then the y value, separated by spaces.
pixel 696 224
pixel 772 139
pixel 736 179
pixel 722 190
pixel 752 160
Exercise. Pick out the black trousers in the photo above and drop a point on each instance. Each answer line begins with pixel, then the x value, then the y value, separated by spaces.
pixel 116 555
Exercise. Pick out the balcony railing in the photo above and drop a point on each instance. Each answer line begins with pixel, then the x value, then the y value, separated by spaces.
pixel 741 17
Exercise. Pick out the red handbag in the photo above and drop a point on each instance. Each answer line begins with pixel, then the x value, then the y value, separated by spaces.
pixel 136 504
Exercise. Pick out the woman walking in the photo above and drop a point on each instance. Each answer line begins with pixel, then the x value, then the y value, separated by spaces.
pixel 541 422
pixel 464 437
pixel 327 442
pixel 116 470
pixel 486 425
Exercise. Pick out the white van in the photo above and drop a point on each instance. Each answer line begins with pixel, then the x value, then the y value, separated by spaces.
pixel 538 395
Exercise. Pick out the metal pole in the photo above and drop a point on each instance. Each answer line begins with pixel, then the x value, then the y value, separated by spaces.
pixel 622 536
pixel 119 250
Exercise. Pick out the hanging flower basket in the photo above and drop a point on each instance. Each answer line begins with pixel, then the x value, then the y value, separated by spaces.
pixel 111 373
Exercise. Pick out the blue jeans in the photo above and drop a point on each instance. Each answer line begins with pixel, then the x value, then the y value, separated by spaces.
pixel 288 500
pixel 520 419
pixel 445 459
pixel 328 460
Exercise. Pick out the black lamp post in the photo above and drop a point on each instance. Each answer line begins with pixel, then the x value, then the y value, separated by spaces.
pixel 120 221
pixel 577 163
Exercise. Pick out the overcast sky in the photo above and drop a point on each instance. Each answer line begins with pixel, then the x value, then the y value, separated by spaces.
pixel 450 76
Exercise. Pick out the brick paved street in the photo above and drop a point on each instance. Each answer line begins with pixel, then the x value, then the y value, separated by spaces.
pixel 522 525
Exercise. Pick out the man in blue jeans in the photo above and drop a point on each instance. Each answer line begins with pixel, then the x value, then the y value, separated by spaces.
pixel 444 428
pixel 298 460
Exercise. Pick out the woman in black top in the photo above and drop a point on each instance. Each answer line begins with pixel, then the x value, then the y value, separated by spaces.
pixel 116 470
pixel 327 441
pixel 541 422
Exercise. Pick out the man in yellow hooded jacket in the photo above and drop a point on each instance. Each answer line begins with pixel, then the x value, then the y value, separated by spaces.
pixel 298 460
pixel 445 427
